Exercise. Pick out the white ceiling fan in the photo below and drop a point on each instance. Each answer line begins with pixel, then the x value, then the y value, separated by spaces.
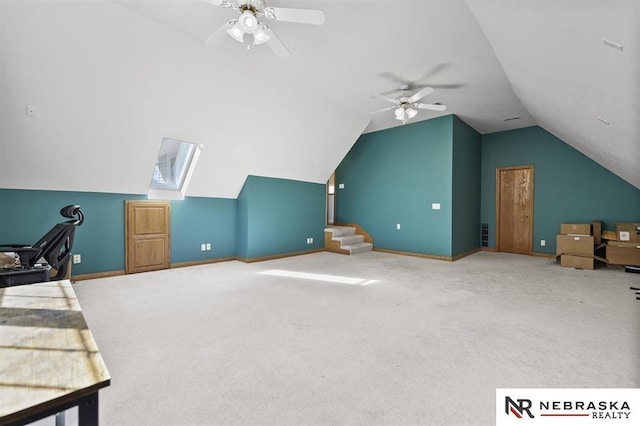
pixel 247 22
pixel 405 107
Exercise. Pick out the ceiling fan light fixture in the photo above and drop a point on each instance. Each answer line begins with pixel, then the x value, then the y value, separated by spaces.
pixel 248 22
pixel 400 114
pixel 411 112
pixel 260 36
pixel 236 32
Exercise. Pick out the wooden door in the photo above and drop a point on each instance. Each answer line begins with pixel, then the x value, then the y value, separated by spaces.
pixel 148 236
pixel 514 209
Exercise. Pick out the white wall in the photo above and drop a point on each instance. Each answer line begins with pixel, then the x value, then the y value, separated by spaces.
pixel 109 84
pixel 3 91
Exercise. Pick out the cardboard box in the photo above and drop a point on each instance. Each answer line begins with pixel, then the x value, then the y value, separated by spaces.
pixel 628 231
pixel 7 261
pixel 596 229
pixel 623 253
pixel 609 235
pixel 575 228
pixel 574 245
pixel 578 262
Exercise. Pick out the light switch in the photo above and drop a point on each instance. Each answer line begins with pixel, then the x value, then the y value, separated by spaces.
pixel 435 206
pixel 341 186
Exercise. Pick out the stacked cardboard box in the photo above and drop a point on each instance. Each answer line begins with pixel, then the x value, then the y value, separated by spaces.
pixel 623 246
pixel 577 243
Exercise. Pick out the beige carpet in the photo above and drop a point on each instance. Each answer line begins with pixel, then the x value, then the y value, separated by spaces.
pixel 369 339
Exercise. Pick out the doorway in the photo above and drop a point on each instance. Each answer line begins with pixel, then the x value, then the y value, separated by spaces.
pixel 514 209
pixel 147 236
pixel 331 199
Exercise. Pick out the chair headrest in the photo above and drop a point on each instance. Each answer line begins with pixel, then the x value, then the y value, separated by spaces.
pixel 72 211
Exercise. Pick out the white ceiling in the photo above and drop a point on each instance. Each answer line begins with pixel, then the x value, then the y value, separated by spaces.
pixel 111 78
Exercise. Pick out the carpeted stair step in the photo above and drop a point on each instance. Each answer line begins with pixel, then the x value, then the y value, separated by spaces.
pixel 349 240
pixel 358 248
pixel 341 231
pixel 346 240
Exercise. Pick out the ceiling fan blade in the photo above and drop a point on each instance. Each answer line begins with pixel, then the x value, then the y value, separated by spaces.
pixel 395 101
pixel 434 107
pixel 437 68
pixel 383 109
pixel 446 86
pixel 276 45
pixel 301 16
pixel 413 86
pixel 213 36
pixel 421 94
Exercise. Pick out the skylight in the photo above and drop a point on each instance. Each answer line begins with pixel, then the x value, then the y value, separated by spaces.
pixel 173 169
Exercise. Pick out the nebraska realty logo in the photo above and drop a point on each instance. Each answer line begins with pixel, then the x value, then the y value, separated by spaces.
pixel 567 406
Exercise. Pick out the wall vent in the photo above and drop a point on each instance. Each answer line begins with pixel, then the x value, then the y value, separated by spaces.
pixel 484 235
pixel 613 45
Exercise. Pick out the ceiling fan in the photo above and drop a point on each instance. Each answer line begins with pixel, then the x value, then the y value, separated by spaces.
pixel 406 106
pixel 425 80
pixel 247 22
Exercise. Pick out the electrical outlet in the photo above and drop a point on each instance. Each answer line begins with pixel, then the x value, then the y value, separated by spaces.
pixel 208 246
pixel 203 247
pixel 311 240
pixel 398 226
pixel 543 243
pixel 435 206
pixel 77 258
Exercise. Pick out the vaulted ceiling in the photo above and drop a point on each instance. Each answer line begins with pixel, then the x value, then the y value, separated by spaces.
pixel 109 79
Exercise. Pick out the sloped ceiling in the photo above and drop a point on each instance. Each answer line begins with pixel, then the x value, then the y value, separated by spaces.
pixel 569 80
pixel 111 78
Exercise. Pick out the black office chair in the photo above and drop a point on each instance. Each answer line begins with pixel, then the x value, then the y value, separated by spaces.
pixel 54 247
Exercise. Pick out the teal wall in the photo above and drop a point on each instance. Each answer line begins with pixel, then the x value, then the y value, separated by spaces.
pixel 270 217
pixel 276 216
pixel 568 186
pixel 243 222
pixel 27 215
pixel 392 176
pixel 100 239
pixel 197 220
pixel 466 188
